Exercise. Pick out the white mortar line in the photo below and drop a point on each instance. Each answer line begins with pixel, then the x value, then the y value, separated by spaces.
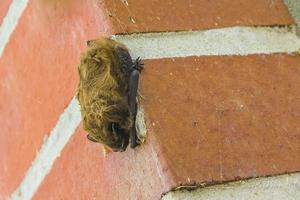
pixel 225 41
pixel 294 9
pixel 50 150
pixel 280 187
pixel 10 21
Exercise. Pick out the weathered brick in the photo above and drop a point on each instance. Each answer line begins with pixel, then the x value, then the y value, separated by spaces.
pixel 86 174
pixel 169 15
pixel 4 8
pixel 225 118
pixel 209 119
pixel 38 73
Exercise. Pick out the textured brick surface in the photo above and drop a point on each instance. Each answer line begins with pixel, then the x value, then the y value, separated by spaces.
pixel 147 16
pixel 38 73
pixel 209 119
pixel 86 174
pixel 237 118
pixel 4 5
pixel 225 118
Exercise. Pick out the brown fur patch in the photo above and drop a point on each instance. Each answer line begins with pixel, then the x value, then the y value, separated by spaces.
pixel 102 93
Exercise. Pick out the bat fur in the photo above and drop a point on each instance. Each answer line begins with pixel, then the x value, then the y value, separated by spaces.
pixel 104 73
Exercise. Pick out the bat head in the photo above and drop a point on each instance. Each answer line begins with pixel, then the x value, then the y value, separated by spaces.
pixel 111 130
pixel 116 138
pixel 108 124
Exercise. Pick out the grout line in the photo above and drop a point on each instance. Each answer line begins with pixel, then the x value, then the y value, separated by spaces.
pixel 10 21
pixel 285 186
pixel 224 41
pixel 50 150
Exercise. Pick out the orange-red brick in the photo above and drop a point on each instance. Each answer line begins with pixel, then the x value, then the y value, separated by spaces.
pixel 169 15
pixel 84 173
pixel 38 78
pixel 209 119
pixel 38 73
pixel 4 8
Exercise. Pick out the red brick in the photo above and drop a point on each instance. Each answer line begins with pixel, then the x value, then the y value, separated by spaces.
pixel 4 8
pixel 209 119
pixel 225 118
pixel 84 173
pixel 170 15
pixel 38 78
pixel 38 73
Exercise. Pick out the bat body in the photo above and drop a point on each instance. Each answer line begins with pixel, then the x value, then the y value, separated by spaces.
pixel 107 93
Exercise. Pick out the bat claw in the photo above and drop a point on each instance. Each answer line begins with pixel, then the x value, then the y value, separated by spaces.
pixel 138 64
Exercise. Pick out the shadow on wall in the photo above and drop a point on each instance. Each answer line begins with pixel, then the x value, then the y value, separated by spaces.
pixel 294 9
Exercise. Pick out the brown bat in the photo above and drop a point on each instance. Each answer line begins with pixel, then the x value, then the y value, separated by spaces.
pixel 107 93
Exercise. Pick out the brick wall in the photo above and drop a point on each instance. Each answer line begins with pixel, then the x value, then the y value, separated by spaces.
pixel 220 96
